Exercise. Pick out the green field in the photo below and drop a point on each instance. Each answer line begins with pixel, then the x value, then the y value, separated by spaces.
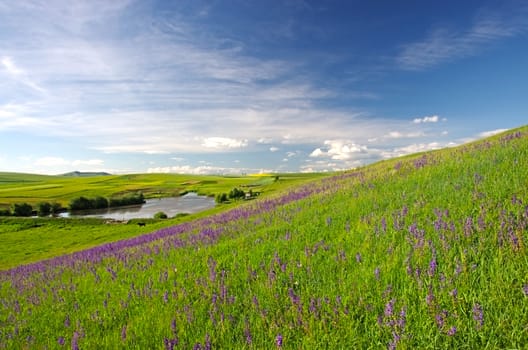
pixel 30 188
pixel 26 240
pixel 428 251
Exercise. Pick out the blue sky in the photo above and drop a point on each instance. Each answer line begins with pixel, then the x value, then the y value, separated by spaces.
pixel 246 86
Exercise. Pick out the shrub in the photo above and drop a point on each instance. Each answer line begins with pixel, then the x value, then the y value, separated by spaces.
pixel 100 202
pixel 236 193
pixel 56 208
pixel 81 203
pixel 221 198
pixel 43 209
pixel 160 215
pixel 22 209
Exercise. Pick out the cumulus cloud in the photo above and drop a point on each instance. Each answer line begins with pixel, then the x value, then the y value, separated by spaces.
pixel 427 119
pixel 273 149
pixel 223 143
pixel 343 150
pixel 317 153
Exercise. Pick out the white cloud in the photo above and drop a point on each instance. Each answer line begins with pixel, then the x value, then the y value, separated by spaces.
pixel 273 149
pixel 19 75
pixel 292 154
pixel 343 150
pixel 347 152
pixel 429 119
pixel 206 170
pixel 491 133
pixel 401 135
pixel 89 162
pixel 317 153
pixel 265 140
pixel 10 66
pixel 224 143
pixel 444 45
pixel 412 148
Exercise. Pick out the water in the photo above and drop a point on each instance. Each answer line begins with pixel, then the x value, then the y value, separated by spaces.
pixel 189 203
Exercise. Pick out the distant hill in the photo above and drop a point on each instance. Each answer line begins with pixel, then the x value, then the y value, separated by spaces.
pixel 85 174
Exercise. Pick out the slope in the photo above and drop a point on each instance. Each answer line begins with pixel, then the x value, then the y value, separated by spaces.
pixel 427 251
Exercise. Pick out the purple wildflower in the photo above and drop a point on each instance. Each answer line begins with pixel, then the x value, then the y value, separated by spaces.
pixel 432 267
pixel 124 333
pixel 441 318
pixel 293 297
pixel 454 293
pixel 525 289
pixel 468 227
pixel 389 308
pixel 429 299
pixel 67 322
pixel 478 315
pixel 173 326
pixel 358 257
pixel 207 342
pixel 377 273
pixel 75 341
pixel 247 334
pixel 60 341
pixel 452 331
pixel 170 343
pixel 278 341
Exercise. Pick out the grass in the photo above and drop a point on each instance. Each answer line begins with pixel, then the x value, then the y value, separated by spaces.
pixel 426 251
pixel 30 188
pixel 27 240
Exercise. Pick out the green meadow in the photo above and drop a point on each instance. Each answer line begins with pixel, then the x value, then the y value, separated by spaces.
pixel 28 240
pixel 427 251
pixel 31 188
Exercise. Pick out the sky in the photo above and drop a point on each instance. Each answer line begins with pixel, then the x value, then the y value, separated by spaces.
pixel 244 86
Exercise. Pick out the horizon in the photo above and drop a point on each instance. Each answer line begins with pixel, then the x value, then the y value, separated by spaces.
pixel 269 87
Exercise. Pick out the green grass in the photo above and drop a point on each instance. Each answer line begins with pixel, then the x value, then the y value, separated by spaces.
pixel 423 252
pixel 27 240
pixel 30 188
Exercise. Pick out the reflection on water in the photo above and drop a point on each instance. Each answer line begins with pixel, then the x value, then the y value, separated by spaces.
pixel 189 203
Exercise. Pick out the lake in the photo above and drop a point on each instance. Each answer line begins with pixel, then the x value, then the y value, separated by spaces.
pixel 189 203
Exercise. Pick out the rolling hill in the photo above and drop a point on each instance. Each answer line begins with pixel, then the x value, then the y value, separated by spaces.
pixel 427 251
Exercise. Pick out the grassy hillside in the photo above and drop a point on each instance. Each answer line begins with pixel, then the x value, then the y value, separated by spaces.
pixel 424 252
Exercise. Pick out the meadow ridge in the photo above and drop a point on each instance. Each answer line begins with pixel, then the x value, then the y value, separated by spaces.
pixel 426 251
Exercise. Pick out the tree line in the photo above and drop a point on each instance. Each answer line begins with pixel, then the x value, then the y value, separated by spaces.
pixel 99 202
pixel 76 204
pixel 26 209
